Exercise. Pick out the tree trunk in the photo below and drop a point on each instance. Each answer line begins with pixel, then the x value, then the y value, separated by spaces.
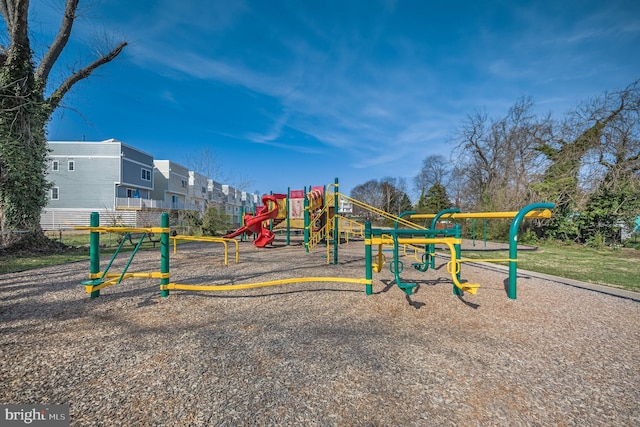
pixel 23 149
pixel 24 114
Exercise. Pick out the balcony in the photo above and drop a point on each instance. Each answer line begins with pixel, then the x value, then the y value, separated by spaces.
pixel 142 204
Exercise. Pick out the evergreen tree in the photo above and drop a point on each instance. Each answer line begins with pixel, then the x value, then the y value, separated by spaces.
pixel 435 200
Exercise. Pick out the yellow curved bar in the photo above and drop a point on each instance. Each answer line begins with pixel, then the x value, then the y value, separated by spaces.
pixel 416 250
pixel 185 287
pixel 113 278
pixel 472 288
pixel 544 213
pixel 91 288
pixel 450 269
pixel 138 275
pixel 210 239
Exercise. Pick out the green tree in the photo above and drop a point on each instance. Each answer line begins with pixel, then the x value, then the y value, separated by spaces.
pixel 26 105
pixel 404 202
pixel 215 221
pixel 435 170
pixel 606 213
pixel 605 129
pixel 192 221
pixel 434 200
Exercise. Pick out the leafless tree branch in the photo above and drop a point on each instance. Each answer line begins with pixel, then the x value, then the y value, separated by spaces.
pixel 58 94
pixel 60 41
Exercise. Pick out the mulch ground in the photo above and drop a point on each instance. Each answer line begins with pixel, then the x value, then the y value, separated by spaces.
pixel 316 353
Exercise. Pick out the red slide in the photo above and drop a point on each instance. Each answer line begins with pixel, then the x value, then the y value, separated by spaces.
pixel 253 224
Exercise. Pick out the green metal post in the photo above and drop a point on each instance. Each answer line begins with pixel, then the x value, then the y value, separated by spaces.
pixel 164 253
pixel 288 216
pixel 473 232
pixel 513 244
pixel 485 233
pixel 336 224
pixel 367 256
pixel 94 249
pixel 434 221
pixel 456 290
pixel 307 221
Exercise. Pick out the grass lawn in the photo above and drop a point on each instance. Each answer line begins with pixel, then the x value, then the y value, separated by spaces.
pixel 619 268
pixel 80 241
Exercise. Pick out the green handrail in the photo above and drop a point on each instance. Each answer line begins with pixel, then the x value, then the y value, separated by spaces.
pixel 513 243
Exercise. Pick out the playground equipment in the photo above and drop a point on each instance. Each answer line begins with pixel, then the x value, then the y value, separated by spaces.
pixel 413 237
pixel 377 236
pixel 302 208
pixel 100 279
pixel 272 209
pixel 223 240
pixel 535 210
pixel 326 227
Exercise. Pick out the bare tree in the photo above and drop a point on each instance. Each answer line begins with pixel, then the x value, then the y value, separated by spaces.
pixel 498 159
pixel 582 133
pixel 386 194
pixel 26 105
pixel 616 198
pixel 207 162
pixel 435 170
pixel 619 150
pixel 371 194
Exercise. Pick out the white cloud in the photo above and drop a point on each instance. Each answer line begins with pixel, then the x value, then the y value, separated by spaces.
pixel 334 89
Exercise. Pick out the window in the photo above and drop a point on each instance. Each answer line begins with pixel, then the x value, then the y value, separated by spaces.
pixel 55 193
pixel 72 165
pixel 130 193
pixel 204 190
pixel 55 165
pixel 184 183
pixel 145 175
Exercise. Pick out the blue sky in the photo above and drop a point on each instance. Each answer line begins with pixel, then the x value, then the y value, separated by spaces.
pixel 296 93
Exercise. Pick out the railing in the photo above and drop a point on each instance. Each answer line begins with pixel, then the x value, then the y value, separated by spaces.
pixel 381 213
pixel 139 204
pixel 317 235
pixel 350 227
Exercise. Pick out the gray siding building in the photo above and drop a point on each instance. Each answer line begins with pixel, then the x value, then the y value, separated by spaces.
pixel 127 187
pixel 92 176
pixel 171 184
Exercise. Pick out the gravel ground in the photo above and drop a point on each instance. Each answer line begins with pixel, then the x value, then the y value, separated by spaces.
pixel 316 353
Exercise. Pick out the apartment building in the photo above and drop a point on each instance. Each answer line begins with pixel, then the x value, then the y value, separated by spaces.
pixel 90 177
pixel 128 187
pixel 171 185
pixel 198 191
